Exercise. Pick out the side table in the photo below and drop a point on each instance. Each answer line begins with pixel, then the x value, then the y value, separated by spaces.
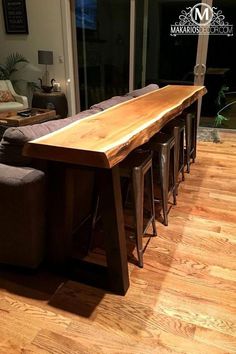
pixel 37 115
pixel 51 100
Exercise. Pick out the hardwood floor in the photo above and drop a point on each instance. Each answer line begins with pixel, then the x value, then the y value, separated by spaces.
pixel 182 301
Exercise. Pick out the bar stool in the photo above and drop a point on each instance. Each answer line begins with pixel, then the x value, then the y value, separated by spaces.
pixel 163 145
pixel 136 166
pixel 176 128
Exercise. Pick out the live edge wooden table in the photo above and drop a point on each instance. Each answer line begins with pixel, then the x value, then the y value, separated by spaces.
pixel 101 142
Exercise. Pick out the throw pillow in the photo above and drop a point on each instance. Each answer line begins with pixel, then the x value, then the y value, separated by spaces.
pixel 6 96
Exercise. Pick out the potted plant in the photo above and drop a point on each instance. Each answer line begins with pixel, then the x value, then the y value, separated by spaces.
pixel 9 69
pixel 10 65
pixel 221 102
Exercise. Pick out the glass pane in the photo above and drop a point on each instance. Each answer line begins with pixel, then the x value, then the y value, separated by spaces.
pixel 220 78
pixel 168 58
pixel 138 43
pixel 103 49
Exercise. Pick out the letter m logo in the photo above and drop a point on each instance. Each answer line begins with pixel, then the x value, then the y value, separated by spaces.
pixel 201 13
pixel 205 15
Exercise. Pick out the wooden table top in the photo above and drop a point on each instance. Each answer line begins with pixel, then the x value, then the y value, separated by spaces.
pixel 106 138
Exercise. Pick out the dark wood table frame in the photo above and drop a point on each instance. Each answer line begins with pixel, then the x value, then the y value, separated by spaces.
pixel 61 190
pixel 102 141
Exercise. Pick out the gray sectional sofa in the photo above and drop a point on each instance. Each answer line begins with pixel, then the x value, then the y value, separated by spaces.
pixel 24 189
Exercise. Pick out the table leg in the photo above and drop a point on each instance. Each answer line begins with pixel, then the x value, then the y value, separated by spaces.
pixel 61 199
pixel 113 224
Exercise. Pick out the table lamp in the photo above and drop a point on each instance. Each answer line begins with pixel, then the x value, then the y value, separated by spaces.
pixel 45 57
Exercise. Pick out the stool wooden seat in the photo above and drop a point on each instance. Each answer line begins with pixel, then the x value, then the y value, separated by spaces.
pixel 176 128
pixel 136 166
pixel 163 144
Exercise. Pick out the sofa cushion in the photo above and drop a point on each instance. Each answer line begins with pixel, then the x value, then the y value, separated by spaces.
pixel 22 211
pixel 110 102
pixel 14 138
pixel 6 96
pixel 143 91
pixel 11 106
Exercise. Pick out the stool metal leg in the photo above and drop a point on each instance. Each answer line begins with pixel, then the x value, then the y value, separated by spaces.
pixel 174 184
pixel 182 154
pixel 152 204
pixel 195 127
pixel 164 176
pixel 138 192
pixel 176 157
pixel 188 130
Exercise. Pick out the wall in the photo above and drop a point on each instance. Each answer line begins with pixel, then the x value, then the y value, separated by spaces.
pixel 45 33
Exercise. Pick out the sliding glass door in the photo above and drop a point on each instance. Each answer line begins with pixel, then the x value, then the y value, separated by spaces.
pixel 219 105
pixel 103 35
pixel 126 44
pixel 161 56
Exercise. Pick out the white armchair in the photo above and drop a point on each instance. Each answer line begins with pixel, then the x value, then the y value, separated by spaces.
pixel 19 103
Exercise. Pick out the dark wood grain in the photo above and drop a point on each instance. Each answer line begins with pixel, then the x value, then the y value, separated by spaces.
pixel 113 224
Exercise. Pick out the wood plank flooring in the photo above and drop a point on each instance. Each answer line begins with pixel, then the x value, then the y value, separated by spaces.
pixel 183 301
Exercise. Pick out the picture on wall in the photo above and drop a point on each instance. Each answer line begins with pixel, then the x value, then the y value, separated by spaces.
pixel 15 16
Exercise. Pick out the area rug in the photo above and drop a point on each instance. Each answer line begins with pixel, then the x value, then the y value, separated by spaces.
pixel 208 134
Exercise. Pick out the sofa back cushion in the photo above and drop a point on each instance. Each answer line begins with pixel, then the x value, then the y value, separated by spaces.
pixel 143 91
pixel 111 102
pixel 14 139
pixel 3 85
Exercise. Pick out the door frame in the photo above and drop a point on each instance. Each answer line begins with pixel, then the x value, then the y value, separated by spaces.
pixel 201 56
pixel 201 61
pixel 132 44
pixel 68 58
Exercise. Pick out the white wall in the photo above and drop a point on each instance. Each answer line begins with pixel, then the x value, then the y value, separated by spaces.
pixel 45 33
